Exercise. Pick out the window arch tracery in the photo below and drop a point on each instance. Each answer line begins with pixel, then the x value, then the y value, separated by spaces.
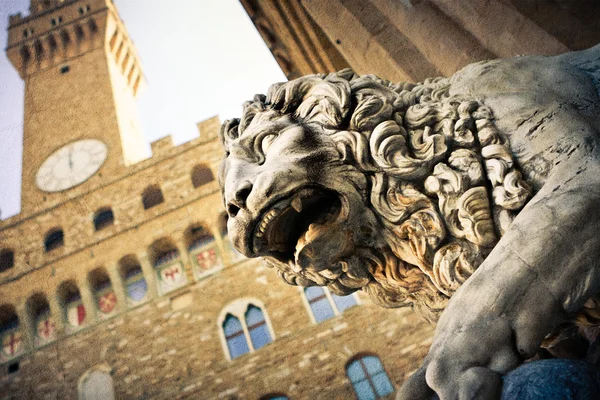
pixel 244 327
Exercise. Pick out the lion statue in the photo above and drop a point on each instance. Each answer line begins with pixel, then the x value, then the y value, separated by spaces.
pixel 473 199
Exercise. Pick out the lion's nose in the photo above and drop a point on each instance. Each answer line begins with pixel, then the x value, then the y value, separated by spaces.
pixel 238 200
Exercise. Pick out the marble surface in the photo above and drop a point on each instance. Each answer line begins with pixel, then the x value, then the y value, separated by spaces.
pixel 473 199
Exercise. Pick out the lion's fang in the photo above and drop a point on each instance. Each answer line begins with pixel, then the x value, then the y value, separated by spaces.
pixel 297 204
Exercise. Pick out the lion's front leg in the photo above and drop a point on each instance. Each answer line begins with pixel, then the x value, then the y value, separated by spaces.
pixel 542 270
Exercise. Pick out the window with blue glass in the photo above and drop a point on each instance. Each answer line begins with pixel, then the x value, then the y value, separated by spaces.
pixel 235 336
pixel 245 328
pixel 257 327
pixel 369 379
pixel 325 305
pixel 274 397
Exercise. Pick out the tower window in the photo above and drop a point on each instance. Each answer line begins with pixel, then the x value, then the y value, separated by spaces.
pixel 64 37
pixel 152 196
pixel 52 44
pixel 104 217
pixel 56 21
pixel 369 379
pixel 83 10
pixel 64 69
pixel 201 175
pixel 325 305
pixel 79 32
pixel 7 260
pixel 27 32
pixel 92 26
pixel 54 240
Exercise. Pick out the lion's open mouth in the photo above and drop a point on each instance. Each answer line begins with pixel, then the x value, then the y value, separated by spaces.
pixel 284 223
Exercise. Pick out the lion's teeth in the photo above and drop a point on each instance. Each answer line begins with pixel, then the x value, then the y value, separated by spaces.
pixel 297 204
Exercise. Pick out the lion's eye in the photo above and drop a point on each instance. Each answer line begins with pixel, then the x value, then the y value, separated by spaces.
pixel 266 142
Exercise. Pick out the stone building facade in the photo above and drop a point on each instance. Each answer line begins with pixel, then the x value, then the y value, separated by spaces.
pixel 411 40
pixel 117 279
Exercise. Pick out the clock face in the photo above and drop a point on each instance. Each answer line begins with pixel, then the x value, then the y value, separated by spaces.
pixel 71 165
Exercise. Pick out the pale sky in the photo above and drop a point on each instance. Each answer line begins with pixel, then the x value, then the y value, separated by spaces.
pixel 200 58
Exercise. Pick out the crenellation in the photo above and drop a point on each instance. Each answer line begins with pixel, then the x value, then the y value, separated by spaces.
pixel 162 145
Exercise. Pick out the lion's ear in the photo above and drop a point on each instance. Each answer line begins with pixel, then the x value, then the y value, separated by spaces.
pixel 229 131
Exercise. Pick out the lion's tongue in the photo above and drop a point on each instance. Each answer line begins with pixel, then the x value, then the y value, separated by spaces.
pixel 321 247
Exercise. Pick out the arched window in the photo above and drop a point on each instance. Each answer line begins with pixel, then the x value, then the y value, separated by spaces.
pixel 324 304
pixel 96 385
pixel 79 32
pixel 104 217
pixel 133 276
pixel 233 254
pixel 257 327
pixel 41 319
pixel 54 239
pixel 235 336
pixel 92 26
pixel 152 196
pixel 64 38
pixel 201 175
pixel 203 251
pixel 52 44
pixel 168 266
pixel 74 310
pixel 244 328
pixel 104 294
pixel 369 379
pixel 7 259
pixel 274 396
pixel 11 337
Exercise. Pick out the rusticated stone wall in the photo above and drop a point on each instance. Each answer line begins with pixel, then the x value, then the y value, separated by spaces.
pixel 170 347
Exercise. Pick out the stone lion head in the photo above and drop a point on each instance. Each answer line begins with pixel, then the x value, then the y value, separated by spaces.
pixel 355 183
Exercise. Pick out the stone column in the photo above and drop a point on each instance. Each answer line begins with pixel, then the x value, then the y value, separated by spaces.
pixel 374 45
pixel 118 287
pixel 26 328
pixel 87 297
pixel 149 275
pixel 185 259
pixel 58 315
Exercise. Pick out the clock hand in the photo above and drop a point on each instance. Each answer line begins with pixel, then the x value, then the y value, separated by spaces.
pixel 71 158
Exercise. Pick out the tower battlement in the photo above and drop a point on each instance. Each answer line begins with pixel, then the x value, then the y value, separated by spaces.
pixel 57 31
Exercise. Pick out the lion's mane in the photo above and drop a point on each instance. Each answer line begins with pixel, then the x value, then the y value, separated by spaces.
pixel 442 180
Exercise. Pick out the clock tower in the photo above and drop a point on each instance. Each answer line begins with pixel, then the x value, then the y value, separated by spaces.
pixel 82 75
